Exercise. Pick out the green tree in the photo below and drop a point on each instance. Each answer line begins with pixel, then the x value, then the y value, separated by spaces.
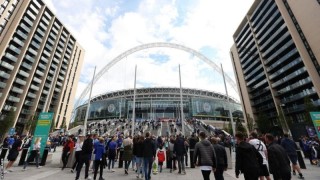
pixel 309 108
pixel 7 122
pixel 31 124
pixel 263 123
pixel 250 123
pixel 240 127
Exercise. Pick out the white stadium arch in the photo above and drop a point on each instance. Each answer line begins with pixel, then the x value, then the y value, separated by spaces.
pixel 154 45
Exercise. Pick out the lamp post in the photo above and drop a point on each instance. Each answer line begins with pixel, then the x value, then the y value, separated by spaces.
pixel 287 129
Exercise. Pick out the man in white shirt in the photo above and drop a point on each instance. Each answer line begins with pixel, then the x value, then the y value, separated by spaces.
pixel 261 147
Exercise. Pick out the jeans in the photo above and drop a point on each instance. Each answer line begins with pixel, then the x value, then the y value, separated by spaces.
pixel 139 161
pixel 206 175
pixel 181 163
pixel 218 174
pixel 192 165
pixel 77 156
pixel 97 164
pixel 65 157
pixel 147 165
pixel 85 159
pixel 111 162
pixel 34 155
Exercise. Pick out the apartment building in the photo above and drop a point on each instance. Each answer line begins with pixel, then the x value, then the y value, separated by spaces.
pixel 40 63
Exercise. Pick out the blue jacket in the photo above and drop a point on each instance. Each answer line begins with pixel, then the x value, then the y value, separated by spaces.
pixel 289 145
pixel 99 150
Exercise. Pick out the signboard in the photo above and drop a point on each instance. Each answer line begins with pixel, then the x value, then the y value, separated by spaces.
pixel 315 116
pixel 42 130
pixel 12 131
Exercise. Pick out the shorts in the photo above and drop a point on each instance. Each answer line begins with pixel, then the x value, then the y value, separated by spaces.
pixel 264 170
pixel 293 159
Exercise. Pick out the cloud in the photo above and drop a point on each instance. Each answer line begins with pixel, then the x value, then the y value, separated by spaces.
pixel 108 28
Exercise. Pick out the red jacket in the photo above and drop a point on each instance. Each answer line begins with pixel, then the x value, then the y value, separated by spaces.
pixel 161 156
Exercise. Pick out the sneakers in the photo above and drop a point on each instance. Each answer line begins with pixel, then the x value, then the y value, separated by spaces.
pixel 5 172
pixel 183 173
pixel 126 172
pixel 39 167
pixel 10 170
pixel 88 178
pixel 101 178
pixel 300 176
pixel 24 169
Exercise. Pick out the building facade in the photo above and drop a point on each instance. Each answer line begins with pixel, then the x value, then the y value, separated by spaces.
pixel 161 103
pixel 276 59
pixel 40 63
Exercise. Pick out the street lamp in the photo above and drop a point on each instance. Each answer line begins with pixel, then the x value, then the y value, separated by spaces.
pixel 287 129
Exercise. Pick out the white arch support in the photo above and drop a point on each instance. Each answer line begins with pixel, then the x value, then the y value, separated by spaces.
pixel 155 45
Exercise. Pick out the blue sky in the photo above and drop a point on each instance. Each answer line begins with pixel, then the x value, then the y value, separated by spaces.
pixel 107 28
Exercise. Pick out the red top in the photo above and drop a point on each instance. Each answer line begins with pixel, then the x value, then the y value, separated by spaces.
pixel 161 156
pixel 68 146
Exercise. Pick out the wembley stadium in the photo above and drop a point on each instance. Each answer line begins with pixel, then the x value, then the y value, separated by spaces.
pixel 161 104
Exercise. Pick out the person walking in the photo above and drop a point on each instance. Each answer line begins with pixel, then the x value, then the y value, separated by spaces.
pixel 99 152
pixel 172 155
pixel 127 153
pixel 221 156
pixel 248 159
pixel 180 151
pixel 161 158
pixel 261 148
pixel 78 149
pixel 112 151
pixel 138 152
pixel 279 163
pixel 149 153
pixel 85 157
pixel 66 151
pixel 205 156
pixel 35 154
pixel 192 143
pixel 13 153
pixel 291 149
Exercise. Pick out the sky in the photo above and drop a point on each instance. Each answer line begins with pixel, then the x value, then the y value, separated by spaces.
pixel 107 28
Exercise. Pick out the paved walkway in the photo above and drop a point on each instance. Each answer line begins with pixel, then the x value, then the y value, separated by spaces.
pixel 53 172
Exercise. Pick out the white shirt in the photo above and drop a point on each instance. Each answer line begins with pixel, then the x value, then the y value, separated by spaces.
pixel 36 146
pixel 78 146
pixel 261 147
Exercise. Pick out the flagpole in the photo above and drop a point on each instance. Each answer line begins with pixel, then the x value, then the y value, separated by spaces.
pixel 181 104
pixel 88 107
pixel 134 102
pixel 231 117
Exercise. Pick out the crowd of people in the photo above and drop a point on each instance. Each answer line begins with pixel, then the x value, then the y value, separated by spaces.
pixel 257 156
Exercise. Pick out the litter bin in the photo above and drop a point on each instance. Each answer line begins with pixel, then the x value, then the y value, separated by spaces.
pixel 300 160
pixel 44 156
pixel 23 156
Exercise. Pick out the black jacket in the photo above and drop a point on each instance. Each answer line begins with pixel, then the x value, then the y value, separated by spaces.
pixel 204 153
pixel 279 163
pixel 192 142
pixel 87 146
pixel 179 147
pixel 248 159
pixel 149 148
pixel 221 155
pixel 138 149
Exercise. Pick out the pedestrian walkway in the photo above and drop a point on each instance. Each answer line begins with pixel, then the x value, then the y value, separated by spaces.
pixel 53 172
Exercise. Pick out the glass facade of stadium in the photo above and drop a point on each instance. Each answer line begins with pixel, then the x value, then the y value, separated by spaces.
pixel 161 103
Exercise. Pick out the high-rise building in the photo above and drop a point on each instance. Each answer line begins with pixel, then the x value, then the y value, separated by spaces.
pixel 276 59
pixel 40 63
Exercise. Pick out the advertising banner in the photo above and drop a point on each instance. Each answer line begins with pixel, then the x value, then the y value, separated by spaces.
pixel 42 129
pixel 315 116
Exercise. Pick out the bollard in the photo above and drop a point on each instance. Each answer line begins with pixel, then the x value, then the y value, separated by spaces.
pixel 44 156
pixel 23 156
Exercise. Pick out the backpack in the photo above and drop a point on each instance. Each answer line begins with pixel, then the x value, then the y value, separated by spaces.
pixel 161 157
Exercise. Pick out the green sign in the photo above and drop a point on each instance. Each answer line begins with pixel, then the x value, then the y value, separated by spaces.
pixel 315 116
pixel 42 130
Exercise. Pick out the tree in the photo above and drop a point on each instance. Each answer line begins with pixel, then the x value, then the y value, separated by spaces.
pixel 309 107
pixel 240 127
pixel 250 123
pixel 31 124
pixel 263 123
pixel 7 122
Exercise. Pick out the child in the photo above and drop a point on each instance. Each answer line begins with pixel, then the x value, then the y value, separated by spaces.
pixel 161 158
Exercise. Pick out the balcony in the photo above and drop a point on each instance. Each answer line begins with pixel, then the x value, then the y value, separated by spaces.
pixel 39 73
pixel 36 88
pixel 20 81
pixel 31 95
pixel 15 49
pixel 26 111
pixel 4 75
pixel 295 108
pixel 296 85
pixel 293 64
pixel 29 58
pixel 256 78
pixel 7 65
pixel 18 41
pixel 26 65
pixel 2 85
pixel 279 51
pixel 28 103
pixel 11 57
pixel 17 90
pixel 282 59
pixel 13 99
pixel 35 79
pixel 289 77
pixel 262 100
pixel 298 96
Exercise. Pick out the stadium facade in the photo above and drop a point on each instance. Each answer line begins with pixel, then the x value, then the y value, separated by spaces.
pixel 161 103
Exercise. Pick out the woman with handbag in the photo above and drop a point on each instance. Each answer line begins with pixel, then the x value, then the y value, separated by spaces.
pixel 35 154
